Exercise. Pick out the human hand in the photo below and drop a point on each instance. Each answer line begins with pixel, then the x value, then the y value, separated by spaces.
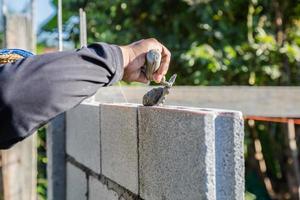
pixel 134 56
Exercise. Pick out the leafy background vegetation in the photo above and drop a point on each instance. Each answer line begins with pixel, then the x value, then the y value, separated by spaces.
pixel 213 42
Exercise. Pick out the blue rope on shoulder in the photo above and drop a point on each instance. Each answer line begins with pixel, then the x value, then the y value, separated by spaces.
pixel 19 52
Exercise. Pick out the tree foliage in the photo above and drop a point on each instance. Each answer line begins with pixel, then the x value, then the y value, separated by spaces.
pixel 220 42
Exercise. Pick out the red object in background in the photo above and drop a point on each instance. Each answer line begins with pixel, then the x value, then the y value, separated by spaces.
pixel 272 119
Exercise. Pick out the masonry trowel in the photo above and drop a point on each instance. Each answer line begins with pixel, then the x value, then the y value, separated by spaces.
pixel 156 96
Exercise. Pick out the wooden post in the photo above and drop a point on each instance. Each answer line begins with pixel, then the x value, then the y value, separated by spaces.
pixel 19 171
pixel 294 173
pixel 83 30
pixel 19 163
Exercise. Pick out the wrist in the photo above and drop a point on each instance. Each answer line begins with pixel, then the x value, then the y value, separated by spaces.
pixel 126 53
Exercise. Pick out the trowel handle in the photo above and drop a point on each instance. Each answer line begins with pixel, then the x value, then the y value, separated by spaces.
pixel 153 59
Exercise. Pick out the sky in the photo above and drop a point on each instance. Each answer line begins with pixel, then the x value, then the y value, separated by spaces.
pixel 44 9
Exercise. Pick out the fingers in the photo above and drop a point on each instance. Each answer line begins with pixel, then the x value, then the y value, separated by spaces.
pixel 164 65
pixel 142 78
pixel 134 59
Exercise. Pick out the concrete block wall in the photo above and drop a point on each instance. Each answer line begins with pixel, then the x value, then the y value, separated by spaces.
pixel 127 151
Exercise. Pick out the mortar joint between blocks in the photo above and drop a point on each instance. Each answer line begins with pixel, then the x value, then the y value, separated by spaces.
pixel 110 184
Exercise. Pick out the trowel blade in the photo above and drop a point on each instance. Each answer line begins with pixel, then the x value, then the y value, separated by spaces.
pixel 172 79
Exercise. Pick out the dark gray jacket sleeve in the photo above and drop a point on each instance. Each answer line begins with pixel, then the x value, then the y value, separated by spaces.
pixel 36 89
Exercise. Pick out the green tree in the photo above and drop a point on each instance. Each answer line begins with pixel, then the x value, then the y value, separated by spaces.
pixel 212 42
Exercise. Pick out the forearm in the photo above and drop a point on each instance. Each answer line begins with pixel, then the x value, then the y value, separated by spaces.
pixel 36 89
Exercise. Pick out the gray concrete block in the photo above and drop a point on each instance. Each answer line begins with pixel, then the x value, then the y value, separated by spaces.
pixel 119 144
pixel 98 191
pixel 229 153
pixel 229 149
pixel 76 183
pixel 56 168
pixel 229 156
pixel 176 154
pixel 83 135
